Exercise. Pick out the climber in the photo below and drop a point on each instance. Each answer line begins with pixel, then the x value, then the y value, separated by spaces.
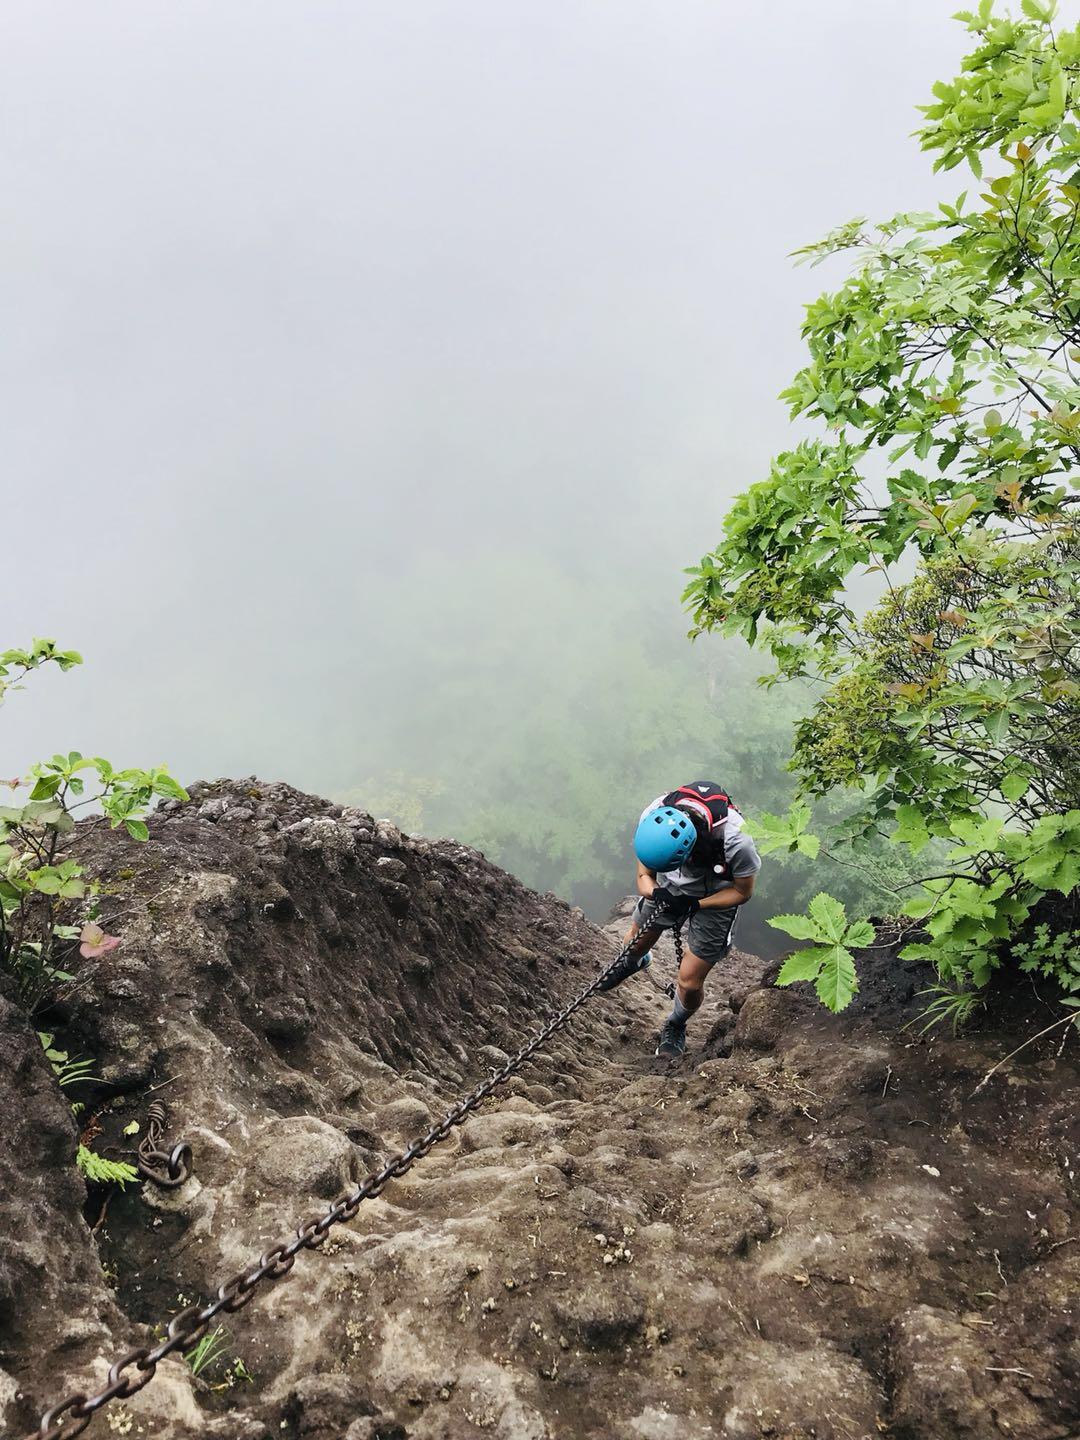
pixel 696 866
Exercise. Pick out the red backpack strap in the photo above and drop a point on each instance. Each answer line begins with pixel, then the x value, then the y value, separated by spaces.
pixel 707 793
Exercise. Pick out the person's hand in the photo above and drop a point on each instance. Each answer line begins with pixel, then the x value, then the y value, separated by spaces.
pixel 679 907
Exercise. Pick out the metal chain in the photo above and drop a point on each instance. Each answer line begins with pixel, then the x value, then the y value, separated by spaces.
pixel 167 1168
pixel 667 987
pixel 132 1371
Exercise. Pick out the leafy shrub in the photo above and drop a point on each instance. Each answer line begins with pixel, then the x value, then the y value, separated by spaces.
pixel 952 710
pixel 38 884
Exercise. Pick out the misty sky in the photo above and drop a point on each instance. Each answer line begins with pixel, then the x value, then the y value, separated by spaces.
pixel 333 328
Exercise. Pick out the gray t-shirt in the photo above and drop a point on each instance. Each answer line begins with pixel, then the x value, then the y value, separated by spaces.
pixel 740 853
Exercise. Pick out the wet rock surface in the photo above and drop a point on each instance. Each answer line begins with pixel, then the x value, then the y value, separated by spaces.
pixel 809 1228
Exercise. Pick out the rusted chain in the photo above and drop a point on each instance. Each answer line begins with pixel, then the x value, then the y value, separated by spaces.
pixel 137 1368
pixel 166 1168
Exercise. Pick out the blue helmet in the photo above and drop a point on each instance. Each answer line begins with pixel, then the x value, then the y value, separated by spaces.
pixel 664 838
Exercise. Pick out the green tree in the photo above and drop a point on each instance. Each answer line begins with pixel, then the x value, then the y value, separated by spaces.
pixel 943 373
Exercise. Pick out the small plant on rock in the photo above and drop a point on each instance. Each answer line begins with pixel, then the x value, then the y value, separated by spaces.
pixel 104 1172
pixel 829 962
pixel 41 888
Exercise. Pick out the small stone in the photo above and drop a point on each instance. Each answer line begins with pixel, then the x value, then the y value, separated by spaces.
pixel 390 868
pixel 237 814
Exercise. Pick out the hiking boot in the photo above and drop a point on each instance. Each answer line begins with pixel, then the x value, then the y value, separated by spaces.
pixel 672 1044
pixel 626 966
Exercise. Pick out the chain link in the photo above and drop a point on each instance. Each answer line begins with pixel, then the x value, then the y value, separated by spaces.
pixel 73 1414
pixel 667 987
pixel 166 1168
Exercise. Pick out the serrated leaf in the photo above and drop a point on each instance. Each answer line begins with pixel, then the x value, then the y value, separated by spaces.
pixel 911 828
pixel 799 927
pixel 1015 785
pixel 829 915
pixel 860 934
pixel 837 983
pixel 803 965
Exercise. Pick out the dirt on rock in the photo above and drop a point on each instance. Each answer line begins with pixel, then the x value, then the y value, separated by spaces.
pixel 811 1227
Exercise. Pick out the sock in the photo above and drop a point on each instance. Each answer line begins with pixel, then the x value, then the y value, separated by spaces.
pixel 679 1013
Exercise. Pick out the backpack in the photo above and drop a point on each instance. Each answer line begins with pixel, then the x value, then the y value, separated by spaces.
pixel 717 801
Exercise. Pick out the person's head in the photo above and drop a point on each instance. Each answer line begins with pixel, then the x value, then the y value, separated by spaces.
pixel 665 838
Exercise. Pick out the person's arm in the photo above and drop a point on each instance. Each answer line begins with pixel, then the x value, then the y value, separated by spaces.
pixel 737 893
pixel 646 881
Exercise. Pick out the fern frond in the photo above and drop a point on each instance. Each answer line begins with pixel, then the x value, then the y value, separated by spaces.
pixel 104 1172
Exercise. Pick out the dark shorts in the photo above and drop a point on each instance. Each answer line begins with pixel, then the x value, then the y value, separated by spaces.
pixel 707 933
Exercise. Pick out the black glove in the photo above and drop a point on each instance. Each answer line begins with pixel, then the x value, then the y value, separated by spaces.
pixel 671 903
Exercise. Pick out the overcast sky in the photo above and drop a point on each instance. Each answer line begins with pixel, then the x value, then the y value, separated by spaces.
pixel 313 311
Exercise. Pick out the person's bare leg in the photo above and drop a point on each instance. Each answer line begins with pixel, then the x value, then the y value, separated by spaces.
pixel 692 976
pixel 689 994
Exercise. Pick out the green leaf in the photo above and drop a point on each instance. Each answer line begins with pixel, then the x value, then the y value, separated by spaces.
pixel 799 927
pixel 996 726
pixel 137 829
pixel 104 1172
pixel 1015 785
pixel 837 984
pixel 860 934
pixel 829 916
pixel 911 829
pixel 803 965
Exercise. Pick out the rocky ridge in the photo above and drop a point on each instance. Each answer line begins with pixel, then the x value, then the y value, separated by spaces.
pixel 809 1229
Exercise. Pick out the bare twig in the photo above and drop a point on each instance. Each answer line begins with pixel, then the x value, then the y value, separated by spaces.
pixel 1057 1025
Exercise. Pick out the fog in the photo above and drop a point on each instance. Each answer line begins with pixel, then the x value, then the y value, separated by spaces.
pixel 372 371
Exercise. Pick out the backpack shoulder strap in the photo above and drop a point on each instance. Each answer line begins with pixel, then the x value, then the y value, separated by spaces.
pixel 706 792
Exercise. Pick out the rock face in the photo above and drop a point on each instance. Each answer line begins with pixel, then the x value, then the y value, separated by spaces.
pixel 806 1230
